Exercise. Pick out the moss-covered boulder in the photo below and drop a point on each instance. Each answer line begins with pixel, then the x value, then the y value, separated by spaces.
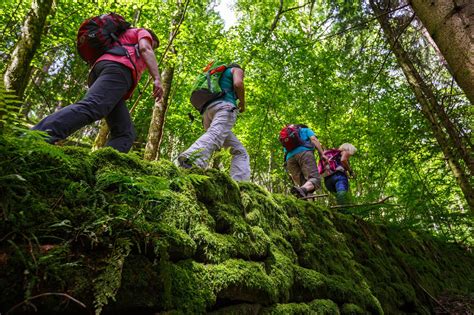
pixel 108 233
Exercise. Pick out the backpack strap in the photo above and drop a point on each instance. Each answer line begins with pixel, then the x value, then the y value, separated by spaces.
pixel 123 52
pixel 208 78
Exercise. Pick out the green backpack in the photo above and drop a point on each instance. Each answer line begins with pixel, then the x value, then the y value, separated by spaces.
pixel 206 87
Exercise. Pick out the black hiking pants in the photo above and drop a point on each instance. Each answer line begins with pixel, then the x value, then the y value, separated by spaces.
pixel 109 82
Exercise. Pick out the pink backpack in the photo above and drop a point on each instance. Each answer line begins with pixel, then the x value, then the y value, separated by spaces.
pixel 334 157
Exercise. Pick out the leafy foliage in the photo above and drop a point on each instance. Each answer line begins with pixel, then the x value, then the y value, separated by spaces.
pixel 323 64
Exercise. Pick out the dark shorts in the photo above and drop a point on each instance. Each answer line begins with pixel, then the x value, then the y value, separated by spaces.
pixel 302 168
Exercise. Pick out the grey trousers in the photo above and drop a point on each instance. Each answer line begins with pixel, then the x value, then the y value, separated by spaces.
pixel 218 120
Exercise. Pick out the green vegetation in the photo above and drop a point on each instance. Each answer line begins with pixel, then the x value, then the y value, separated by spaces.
pixel 120 234
pixel 104 232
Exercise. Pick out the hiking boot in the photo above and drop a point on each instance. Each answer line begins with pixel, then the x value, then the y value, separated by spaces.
pixel 299 192
pixel 184 162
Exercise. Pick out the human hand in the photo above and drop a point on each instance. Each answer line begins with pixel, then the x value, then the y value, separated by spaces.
pixel 157 89
pixel 241 107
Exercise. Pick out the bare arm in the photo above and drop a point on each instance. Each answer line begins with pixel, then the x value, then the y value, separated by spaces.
pixel 345 161
pixel 317 144
pixel 238 79
pixel 146 51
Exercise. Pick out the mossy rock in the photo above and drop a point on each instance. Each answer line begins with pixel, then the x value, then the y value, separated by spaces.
pixel 127 236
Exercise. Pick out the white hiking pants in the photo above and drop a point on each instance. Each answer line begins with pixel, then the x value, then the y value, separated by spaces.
pixel 218 120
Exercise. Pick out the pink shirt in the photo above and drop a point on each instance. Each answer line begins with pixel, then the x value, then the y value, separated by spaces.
pixel 131 36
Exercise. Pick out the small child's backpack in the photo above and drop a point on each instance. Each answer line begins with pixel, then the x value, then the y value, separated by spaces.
pixel 334 158
pixel 98 35
pixel 206 88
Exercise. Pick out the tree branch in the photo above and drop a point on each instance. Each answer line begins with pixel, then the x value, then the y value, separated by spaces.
pixel 381 201
pixel 45 294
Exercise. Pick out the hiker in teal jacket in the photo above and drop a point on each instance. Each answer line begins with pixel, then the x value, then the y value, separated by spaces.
pixel 300 161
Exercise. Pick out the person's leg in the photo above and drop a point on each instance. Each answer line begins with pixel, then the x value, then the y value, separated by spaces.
pixel 222 118
pixel 310 171
pixel 111 84
pixel 342 188
pixel 294 170
pixel 240 165
pixel 122 132
pixel 330 183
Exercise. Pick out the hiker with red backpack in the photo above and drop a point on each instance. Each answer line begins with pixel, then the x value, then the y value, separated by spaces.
pixel 299 143
pixel 117 55
pixel 336 169
pixel 219 94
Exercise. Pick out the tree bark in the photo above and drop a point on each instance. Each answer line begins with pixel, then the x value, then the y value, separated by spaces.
pixel 155 132
pixel 449 141
pixel 101 138
pixel 18 71
pixel 451 25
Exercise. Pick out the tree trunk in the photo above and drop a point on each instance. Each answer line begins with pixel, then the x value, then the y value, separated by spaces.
pixel 450 24
pixel 450 143
pixel 155 132
pixel 101 138
pixel 18 71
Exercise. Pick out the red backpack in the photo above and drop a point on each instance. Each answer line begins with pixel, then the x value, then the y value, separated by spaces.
pixel 334 158
pixel 98 34
pixel 290 137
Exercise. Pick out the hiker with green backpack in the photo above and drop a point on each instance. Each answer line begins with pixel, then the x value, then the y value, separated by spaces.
pixel 219 95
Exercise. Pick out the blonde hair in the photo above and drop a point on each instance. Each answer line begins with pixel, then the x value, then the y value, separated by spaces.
pixel 348 147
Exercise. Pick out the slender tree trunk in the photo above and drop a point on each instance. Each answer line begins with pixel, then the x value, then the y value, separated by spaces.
pixel 101 138
pixel 155 132
pixel 37 78
pixel 18 71
pixel 449 141
pixel 451 25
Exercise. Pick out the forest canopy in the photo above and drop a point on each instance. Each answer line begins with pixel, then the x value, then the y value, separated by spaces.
pixel 379 74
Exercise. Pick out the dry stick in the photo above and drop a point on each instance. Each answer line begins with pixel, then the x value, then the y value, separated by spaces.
pixel 45 294
pixel 362 204
pixel 437 302
pixel 162 56
pixel 314 196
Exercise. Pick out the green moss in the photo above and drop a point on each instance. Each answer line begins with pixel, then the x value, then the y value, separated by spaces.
pixel 320 307
pixel 126 235
pixel 351 309
pixel 108 282
pixel 241 280
pixel 191 292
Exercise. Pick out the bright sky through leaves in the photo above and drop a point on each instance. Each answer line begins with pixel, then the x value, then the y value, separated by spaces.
pixel 226 12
